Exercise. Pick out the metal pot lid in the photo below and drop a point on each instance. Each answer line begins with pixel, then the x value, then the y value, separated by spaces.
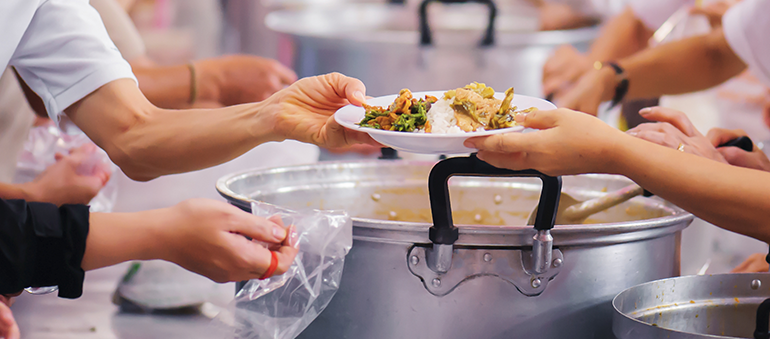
pixel 372 190
pixel 708 306
pixel 453 25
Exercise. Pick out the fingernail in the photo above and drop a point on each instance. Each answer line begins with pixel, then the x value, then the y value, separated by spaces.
pixel 632 133
pixel 520 117
pixel 480 156
pixel 645 111
pixel 279 233
pixel 359 96
pixel 469 144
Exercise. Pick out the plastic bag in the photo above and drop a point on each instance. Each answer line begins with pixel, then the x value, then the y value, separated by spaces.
pixel 39 151
pixel 281 307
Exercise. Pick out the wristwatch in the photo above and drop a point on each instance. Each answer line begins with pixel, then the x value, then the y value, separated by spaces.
pixel 621 81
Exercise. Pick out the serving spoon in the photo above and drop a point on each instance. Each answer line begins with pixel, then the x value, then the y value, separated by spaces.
pixel 574 212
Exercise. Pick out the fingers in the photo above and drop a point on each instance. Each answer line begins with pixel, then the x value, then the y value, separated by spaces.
pixel 719 136
pixel 257 228
pixel 8 327
pixel 656 137
pixel 285 75
pixel 541 119
pixel 352 88
pixel 501 143
pixel 671 116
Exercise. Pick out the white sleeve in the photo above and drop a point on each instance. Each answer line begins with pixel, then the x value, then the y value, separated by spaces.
pixel 747 31
pixel 654 13
pixel 65 54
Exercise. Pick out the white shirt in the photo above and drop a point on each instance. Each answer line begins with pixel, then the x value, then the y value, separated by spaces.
pixel 60 48
pixel 747 31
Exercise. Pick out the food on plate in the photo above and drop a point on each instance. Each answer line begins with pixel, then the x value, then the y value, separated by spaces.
pixel 472 108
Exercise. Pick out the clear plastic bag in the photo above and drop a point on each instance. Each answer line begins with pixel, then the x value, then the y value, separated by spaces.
pixel 281 307
pixel 39 153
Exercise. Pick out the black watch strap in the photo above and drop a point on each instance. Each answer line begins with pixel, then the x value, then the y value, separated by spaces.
pixel 621 89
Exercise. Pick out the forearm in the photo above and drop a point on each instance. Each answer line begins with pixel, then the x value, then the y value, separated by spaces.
pixel 622 36
pixel 171 86
pixel 731 197
pixel 15 191
pixel 114 238
pixel 147 142
pixel 684 66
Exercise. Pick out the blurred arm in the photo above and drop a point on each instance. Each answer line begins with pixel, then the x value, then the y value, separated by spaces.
pixel 623 35
pixel 683 66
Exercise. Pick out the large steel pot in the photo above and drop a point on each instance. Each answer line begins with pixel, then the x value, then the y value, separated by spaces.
pixel 695 307
pixel 393 285
pixel 390 47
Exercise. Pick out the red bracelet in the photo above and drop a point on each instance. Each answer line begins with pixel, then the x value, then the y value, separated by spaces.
pixel 273 266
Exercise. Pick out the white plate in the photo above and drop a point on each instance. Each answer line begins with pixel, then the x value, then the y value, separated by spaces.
pixel 428 143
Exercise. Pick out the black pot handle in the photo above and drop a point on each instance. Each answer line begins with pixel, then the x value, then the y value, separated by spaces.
pixel 426 37
pixel 443 230
pixel 763 316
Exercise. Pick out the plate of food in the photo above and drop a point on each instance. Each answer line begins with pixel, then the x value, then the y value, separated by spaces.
pixel 439 122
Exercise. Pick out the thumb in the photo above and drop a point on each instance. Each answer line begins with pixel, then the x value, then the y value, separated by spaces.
pixel 718 136
pixel 539 119
pixel 354 89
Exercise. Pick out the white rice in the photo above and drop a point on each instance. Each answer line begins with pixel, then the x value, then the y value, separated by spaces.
pixel 442 118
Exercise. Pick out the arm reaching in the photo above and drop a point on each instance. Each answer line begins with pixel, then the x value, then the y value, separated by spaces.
pixel 569 142
pixel 683 66
pixel 229 80
pixel 203 236
pixel 621 36
pixel 147 142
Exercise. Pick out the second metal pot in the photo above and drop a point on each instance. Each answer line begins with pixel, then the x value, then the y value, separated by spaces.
pixel 430 47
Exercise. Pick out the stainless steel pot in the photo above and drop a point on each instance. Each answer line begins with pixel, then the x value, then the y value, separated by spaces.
pixel 694 307
pixel 390 47
pixel 393 285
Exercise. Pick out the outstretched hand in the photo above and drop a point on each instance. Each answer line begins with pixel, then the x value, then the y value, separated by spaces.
pixel 674 130
pixel 568 142
pixel 74 179
pixel 304 111
pixel 756 159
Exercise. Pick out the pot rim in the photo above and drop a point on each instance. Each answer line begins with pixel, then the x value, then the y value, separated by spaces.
pixel 369 229
pixel 666 331
pixel 277 21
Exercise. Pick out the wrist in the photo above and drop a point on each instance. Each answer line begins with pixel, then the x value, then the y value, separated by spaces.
pixel 266 120
pixel 29 191
pixel 209 80
pixel 609 81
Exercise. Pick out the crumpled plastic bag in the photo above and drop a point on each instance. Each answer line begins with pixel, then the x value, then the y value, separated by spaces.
pixel 281 307
pixel 39 151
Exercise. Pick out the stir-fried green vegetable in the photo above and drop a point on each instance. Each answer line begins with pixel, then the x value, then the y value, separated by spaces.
pixel 406 114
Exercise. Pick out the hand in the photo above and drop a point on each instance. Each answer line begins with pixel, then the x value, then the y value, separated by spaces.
pixel 569 143
pixel 8 327
pixel 73 179
pixel 304 111
pixel 563 68
pixel 714 11
pixel 593 88
pixel 672 130
pixel 754 264
pixel 207 237
pixel 755 159
pixel 244 78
